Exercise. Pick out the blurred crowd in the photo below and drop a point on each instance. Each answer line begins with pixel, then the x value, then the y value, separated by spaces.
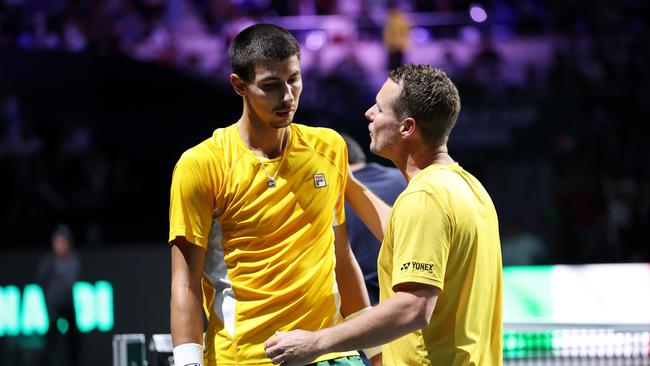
pixel 194 34
pixel 581 116
pixel 52 172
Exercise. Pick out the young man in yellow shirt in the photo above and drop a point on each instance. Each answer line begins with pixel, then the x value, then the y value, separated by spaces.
pixel 257 220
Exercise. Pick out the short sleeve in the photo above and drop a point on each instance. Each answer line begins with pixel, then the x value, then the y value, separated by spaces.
pixel 421 240
pixel 342 161
pixel 192 202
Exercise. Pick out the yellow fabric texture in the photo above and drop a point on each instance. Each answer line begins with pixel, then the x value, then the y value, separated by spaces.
pixel 444 232
pixel 275 245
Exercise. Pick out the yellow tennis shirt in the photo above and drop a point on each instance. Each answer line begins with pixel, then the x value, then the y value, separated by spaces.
pixel 443 231
pixel 270 251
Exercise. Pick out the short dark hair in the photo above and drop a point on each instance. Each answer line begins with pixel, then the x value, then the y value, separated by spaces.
pixel 355 152
pixel 63 230
pixel 430 97
pixel 260 43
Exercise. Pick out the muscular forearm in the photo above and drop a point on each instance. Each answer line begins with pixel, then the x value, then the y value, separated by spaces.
pixel 409 309
pixel 186 295
pixel 399 315
pixel 186 316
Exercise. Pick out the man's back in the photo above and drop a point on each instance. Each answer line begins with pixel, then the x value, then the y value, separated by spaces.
pixel 444 232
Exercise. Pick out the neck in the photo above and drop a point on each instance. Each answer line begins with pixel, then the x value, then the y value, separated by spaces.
pixel 413 162
pixel 263 140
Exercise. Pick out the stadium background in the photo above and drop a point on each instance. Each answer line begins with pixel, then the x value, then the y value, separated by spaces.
pixel 98 98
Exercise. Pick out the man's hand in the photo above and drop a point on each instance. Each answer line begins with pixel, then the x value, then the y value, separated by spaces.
pixel 297 347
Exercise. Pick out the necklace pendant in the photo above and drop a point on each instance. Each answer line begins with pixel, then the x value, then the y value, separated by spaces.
pixel 271 183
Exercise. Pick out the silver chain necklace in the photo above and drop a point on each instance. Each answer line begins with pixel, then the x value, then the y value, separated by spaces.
pixel 271 182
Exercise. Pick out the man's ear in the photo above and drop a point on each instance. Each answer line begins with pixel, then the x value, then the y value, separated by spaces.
pixel 408 127
pixel 238 84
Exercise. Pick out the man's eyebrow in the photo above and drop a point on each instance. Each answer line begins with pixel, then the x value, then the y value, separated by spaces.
pixel 276 78
pixel 270 78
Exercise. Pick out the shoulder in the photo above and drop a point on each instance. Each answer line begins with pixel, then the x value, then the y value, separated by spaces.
pixel 437 178
pixel 199 168
pixel 413 197
pixel 322 140
pixel 318 136
pixel 197 155
pixel 207 151
pixel 432 184
pixel 446 185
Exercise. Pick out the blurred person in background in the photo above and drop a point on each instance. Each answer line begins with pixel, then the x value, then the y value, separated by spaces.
pixel 56 273
pixel 397 35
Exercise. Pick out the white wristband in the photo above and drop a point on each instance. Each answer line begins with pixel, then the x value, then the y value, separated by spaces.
pixel 372 351
pixel 188 354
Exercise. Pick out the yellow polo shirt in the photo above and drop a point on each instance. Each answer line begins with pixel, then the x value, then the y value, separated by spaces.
pixel 443 231
pixel 270 251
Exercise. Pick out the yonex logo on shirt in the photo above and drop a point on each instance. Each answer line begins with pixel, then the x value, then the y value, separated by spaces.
pixel 417 266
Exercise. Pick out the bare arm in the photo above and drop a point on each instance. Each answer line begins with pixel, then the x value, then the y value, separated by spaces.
pixel 186 295
pixel 349 278
pixel 371 209
pixel 409 309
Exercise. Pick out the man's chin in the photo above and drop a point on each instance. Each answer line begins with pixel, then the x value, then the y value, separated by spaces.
pixel 282 123
pixel 374 150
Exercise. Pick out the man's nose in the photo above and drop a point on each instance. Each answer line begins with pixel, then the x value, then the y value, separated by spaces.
pixel 287 97
pixel 370 114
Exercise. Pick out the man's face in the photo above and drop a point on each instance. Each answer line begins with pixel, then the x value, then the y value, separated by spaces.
pixel 60 245
pixel 384 125
pixel 274 92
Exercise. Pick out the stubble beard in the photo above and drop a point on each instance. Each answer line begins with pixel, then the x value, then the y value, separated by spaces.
pixel 282 124
pixel 379 150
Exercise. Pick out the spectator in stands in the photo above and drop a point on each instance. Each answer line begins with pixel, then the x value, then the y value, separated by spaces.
pixel 397 35
pixel 57 272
